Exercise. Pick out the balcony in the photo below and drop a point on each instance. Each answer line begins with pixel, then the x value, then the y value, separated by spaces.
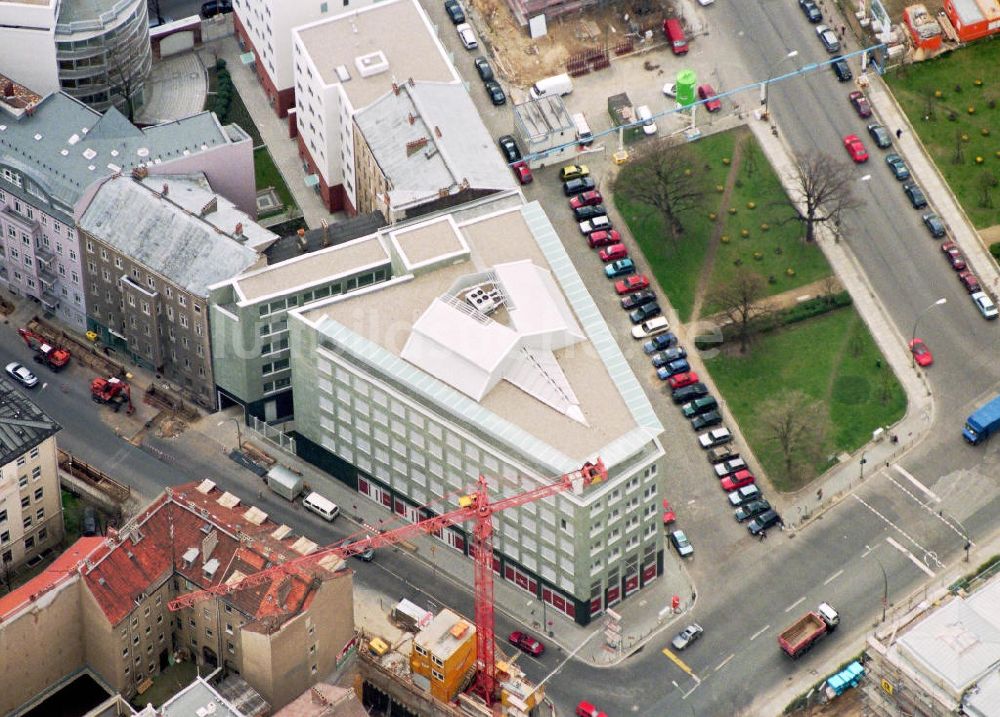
pixel 45 259
pixel 48 279
pixel 50 301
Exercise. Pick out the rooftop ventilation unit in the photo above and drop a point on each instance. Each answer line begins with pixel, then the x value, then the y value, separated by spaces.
pixel 484 299
pixel 372 63
pixel 342 73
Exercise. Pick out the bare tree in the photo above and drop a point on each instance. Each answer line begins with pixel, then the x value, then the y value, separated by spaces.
pixel 987 181
pixel 127 63
pixel 825 188
pixel 797 425
pixel 740 303
pixel 153 7
pixel 668 179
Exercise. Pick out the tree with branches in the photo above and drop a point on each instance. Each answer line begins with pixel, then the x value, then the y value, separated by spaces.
pixel 127 66
pixel 153 8
pixel 740 302
pixel 667 179
pixel 797 426
pixel 824 187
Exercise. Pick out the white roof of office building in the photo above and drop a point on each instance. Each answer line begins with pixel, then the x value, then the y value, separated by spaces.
pixel 428 137
pixel 161 235
pixel 541 374
pixel 358 45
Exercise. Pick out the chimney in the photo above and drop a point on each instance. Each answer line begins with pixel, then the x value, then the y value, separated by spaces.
pixel 301 241
pixel 411 118
pixel 326 231
pixel 211 206
pixel 238 231
pixel 166 189
pixel 411 82
pixel 437 131
pixel 395 88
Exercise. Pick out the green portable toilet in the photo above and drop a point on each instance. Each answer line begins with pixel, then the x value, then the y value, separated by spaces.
pixel 686 84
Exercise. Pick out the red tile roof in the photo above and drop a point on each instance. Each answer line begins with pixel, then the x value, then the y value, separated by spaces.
pixel 61 569
pixel 189 520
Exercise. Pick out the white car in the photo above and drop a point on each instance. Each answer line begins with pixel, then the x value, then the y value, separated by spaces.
pixel 20 374
pixel 731 466
pixel 703 3
pixel 983 302
pixel 686 636
pixel 829 38
pixel 715 437
pixel 467 36
pixel 645 115
pixel 652 327
pixel 670 89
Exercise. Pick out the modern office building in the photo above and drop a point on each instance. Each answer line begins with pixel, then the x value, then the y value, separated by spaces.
pixel 484 354
pixel 53 149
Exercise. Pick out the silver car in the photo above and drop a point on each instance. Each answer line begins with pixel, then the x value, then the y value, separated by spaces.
pixel 686 636
pixel 20 374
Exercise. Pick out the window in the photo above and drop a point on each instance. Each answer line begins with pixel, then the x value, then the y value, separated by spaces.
pixel 3 515
pixel 5 538
pixel 183 320
pixel 38 493
pixel 182 300
pixel 27 522
pixel 118 263
pixel 43 534
pixel 40 514
pixel 104 253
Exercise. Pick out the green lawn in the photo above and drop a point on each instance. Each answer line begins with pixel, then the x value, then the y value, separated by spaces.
pixel 831 358
pixel 267 175
pixel 954 77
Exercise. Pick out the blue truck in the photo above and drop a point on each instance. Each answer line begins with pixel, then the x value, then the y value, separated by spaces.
pixel 983 423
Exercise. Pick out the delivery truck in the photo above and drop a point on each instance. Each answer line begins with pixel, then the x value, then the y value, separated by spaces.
pixel 284 482
pixel 555 85
pixel 983 422
pixel 808 630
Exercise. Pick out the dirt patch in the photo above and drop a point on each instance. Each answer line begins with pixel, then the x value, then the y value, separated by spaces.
pixel 990 235
pixel 849 704
pixel 523 60
pixel 171 427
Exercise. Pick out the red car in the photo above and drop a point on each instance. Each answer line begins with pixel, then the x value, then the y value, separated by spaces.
pixel 613 253
pixel 587 199
pixel 860 102
pixel 706 92
pixel 636 282
pixel 856 148
pixel 585 709
pixel 921 354
pixel 737 480
pixel 523 172
pixel 680 380
pixel 954 256
pixel 604 238
pixel 969 281
pixel 669 516
pixel 526 643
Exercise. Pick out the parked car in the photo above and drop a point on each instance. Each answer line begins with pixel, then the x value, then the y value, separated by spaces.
pixel 682 380
pixel 658 343
pixel 644 312
pixel 715 437
pixel 681 543
pixel 672 369
pixel 664 357
pixel 737 480
pixel 455 12
pixel 689 392
pixel 915 194
pixel 811 11
pixel 573 171
pixel 654 326
pixel 622 267
pixel 722 453
pixel 746 494
pixel 585 709
pixel 751 510
pixel 645 115
pixel 829 38
pixel 882 136
pixel 578 186
pixel 613 252
pixel 495 91
pixel 216 7
pixel 669 516
pixel 632 283
pixel 969 281
pixel 509 148
pixel 706 420
pixel 606 238
pixel 598 223
pixel 670 89
pixel 481 63
pixel 898 167
pixel 467 36
pixel 707 92
pixel 860 104
pixel 922 355
pixel 366 555
pixel 935 225
pixel 954 255
pixel 767 519
pixel 638 299
pixel 841 69
pixel 856 148
pixel 985 305
pixel 523 172
pixel 526 643
pixel 687 636
pixel 587 199
pixel 699 405
pixel 21 374
pixel 728 466
pixel 89 525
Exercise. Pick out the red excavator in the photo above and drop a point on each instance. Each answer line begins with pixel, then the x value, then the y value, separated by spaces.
pixel 112 391
pixel 55 357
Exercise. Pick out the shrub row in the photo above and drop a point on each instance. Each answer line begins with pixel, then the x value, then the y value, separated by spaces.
pixel 223 91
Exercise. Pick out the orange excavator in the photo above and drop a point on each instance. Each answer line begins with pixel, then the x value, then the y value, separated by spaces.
pixel 55 357
pixel 114 392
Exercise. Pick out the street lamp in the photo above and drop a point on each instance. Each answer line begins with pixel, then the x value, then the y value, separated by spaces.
pixel 861 465
pixel 770 76
pixel 885 585
pixel 239 436
pixel 913 336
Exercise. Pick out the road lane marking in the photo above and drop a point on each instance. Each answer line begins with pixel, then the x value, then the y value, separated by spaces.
pixel 920 486
pixel 938 514
pixel 898 529
pixel 911 556
pixel 724 662
pixel 679 662
pixel 833 577
pixel 760 632
pixel 795 604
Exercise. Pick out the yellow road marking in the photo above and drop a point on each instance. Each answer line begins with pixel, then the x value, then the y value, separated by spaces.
pixel 677 661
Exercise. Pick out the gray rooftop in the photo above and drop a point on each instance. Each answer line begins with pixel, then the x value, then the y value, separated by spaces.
pixel 90 10
pixel 195 699
pixel 458 151
pixel 64 146
pixel 161 235
pixel 22 424
pixel 292 245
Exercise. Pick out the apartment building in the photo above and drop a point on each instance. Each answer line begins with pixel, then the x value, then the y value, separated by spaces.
pixel 264 31
pixel 484 354
pixel 94 50
pixel 343 65
pixel 53 149
pixel 147 279
pixel 102 607
pixel 30 501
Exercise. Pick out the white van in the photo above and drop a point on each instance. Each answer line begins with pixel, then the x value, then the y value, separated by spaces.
pixel 645 115
pixel 583 134
pixel 326 509
pixel 555 85
pixel 656 325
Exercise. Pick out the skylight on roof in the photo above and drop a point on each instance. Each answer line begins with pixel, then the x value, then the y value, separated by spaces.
pixel 73 139
pixel 38 137
pixel 143 151
pixel 89 153
pixel 64 152
pixel 371 64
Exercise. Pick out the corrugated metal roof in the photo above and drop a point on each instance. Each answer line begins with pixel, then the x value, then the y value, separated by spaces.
pixel 23 425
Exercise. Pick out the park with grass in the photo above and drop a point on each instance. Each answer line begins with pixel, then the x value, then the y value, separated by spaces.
pixel 810 363
pixel 953 103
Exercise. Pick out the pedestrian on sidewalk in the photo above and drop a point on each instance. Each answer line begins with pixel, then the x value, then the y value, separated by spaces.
pixel 899 133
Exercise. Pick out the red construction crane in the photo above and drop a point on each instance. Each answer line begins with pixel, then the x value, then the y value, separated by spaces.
pixel 112 391
pixel 55 357
pixel 474 507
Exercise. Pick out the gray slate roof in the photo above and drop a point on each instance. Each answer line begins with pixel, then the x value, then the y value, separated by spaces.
pixel 22 424
pixel 92 141
pixel 463 151
pixel 159 234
